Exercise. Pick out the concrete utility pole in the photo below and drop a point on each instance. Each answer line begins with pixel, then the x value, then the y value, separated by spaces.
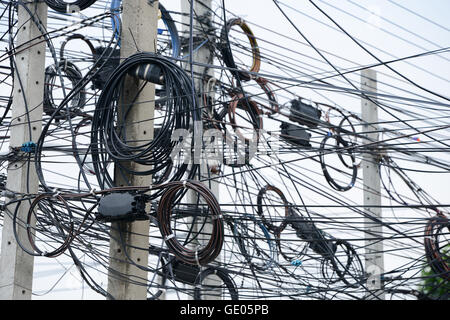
pixel 139 33
pixel 202 22
pixel 16 266
pixel 372 190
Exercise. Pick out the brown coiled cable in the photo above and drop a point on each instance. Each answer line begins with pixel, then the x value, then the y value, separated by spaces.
pixel 267 223
pixel 228 55
pixel 200 256
pixel 168 200
pixel 240 102
pixel 438 263
pixel 62 227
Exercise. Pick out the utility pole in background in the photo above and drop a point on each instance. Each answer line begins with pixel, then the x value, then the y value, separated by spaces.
pixel 372 189
pixel 139 33
pixel 202 23
pixel 16 266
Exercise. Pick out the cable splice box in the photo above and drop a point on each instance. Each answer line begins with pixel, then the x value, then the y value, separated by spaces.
pixel 108 65
pixel 295 135
pixel 184 272
pixel 122 206
pixel 307 230
pixel 304 114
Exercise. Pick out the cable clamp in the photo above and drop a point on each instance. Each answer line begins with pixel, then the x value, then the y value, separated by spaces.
pixel 170 236
pixel 56 192
pixel 28 147
pixel 196 258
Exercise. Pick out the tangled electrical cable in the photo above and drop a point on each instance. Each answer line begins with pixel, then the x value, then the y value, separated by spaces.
pixel 316 239
pixel 156 154
pixel 71 73
pixel 227 54
pixel 255 220
pixel 164 15
pixel 199 256
pixel 435 244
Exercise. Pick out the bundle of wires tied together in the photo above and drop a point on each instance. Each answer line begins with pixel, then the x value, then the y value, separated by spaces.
pixel 154 155
pixel 199 256
pixel 227 54
pixel 270 205
pixel 73 75
pixel 224 277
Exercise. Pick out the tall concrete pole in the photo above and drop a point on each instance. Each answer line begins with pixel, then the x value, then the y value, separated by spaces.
pixel 139 33
pixel 372 190
pixel 16 266
pixel 202 22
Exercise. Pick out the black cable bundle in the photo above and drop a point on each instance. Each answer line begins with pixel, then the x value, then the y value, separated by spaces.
pixel 69 72
pixel 435 245
pixel 269 222
pixel 69 7
pixel 108 140
pixel 227 54
pixel 220 273
pixel 109 58
pixel 344 265
pixel 346 149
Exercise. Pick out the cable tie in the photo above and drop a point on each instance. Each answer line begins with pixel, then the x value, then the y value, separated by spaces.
pixel 217 217
pixel 92 192
pixel 170 236
pixel 196 258
pixel 56 192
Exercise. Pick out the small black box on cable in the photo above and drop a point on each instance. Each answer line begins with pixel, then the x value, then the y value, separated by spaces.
pixel 185 273
pixel 295 135
pixel 101 55
pixel 304 114
pixel 122 206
